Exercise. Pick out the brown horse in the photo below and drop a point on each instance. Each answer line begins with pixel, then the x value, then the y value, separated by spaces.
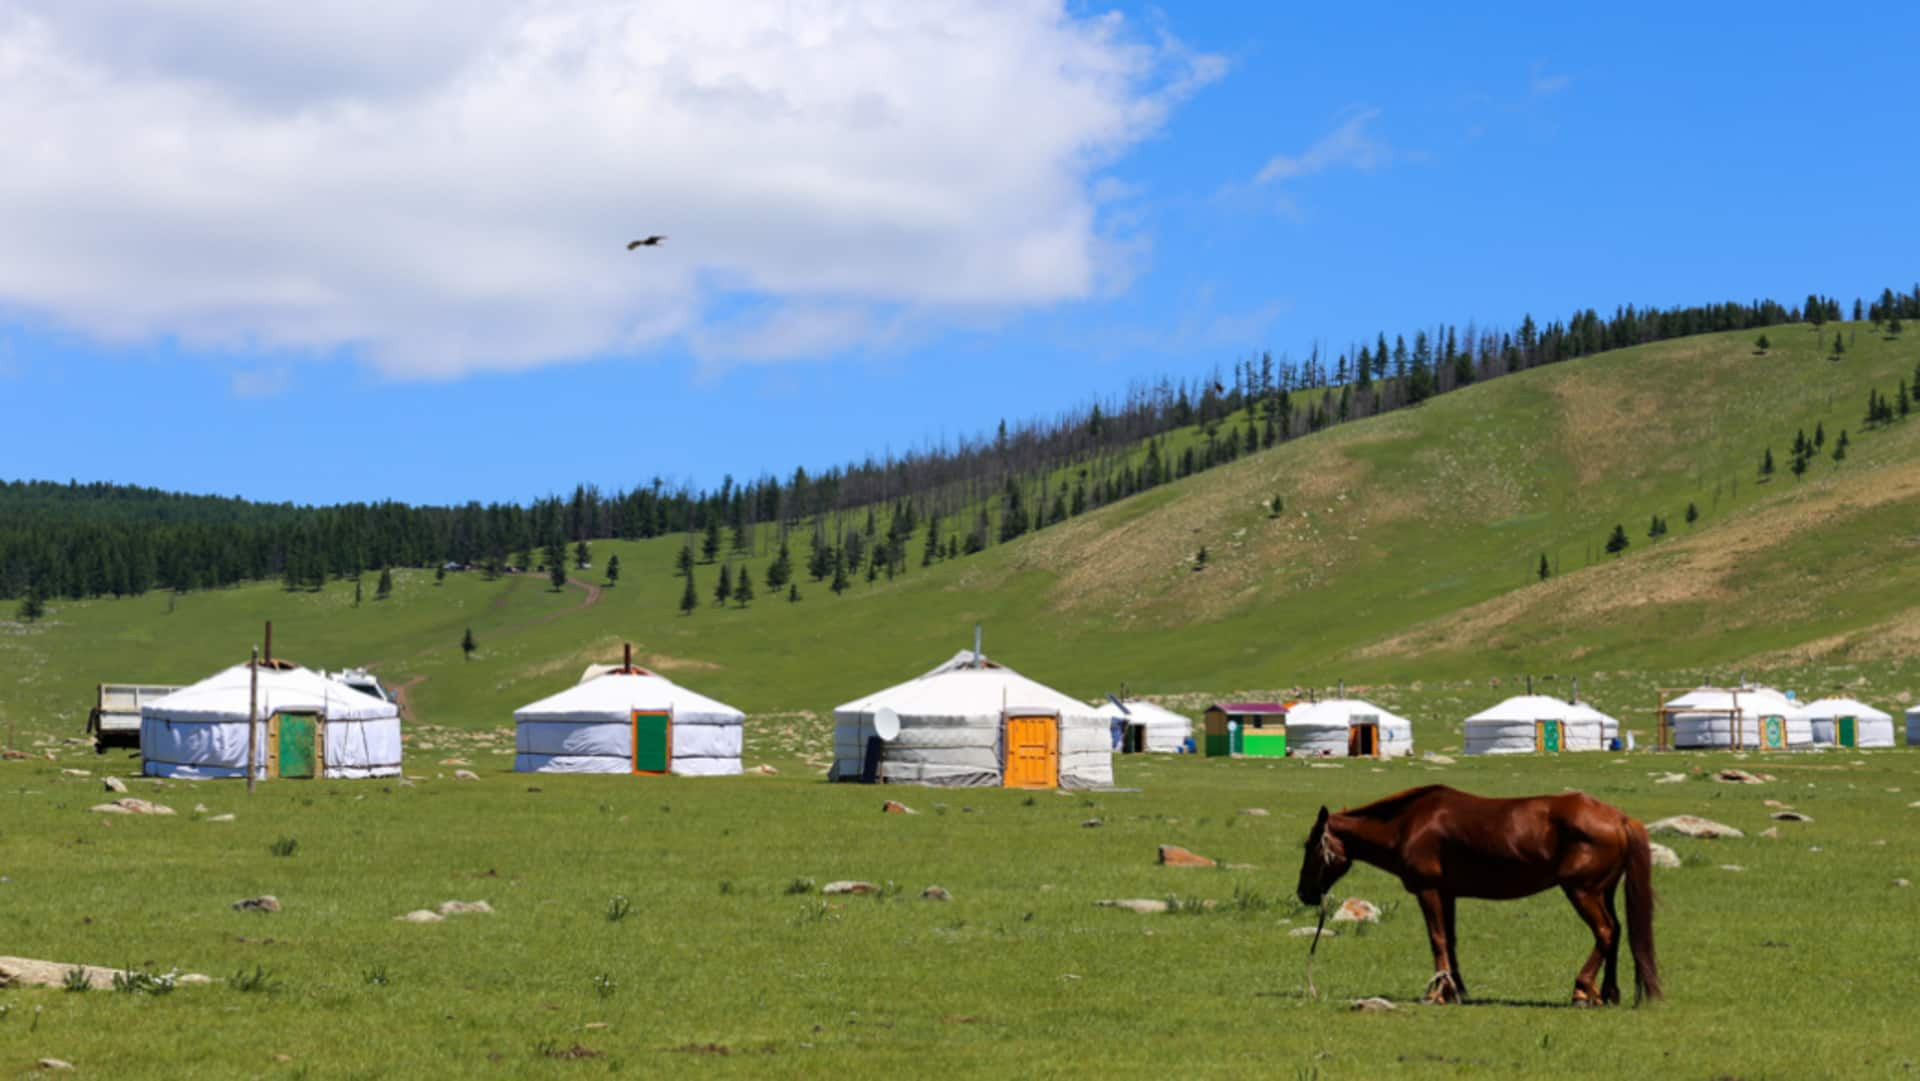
pixel 1445 844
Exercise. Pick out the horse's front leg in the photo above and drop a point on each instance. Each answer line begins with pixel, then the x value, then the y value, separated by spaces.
pixel 1441 988
pixel 1453 949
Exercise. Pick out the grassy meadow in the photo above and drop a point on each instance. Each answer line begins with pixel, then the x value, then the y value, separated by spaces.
pixel 729 962
pixel 1404 564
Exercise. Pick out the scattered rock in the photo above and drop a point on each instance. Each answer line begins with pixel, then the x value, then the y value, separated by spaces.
pixel 200 808
pixel 1254 812
pixel 1790 816
pixel 1175 856
pixel 1777 805
pixel 228 817
pixel 421 915
pixel 27 972
pixel 1902 883
pixel 1357 910
pixel 266 902
pixel 79 773
pixel 935 893
pixel 1241 867
pixel 1693 826
pixel 55 1064
pixel 1771 833
pixel 463 908
pixel 115 784
pixel 1439 759
pixel 1663 856
pixel 1731 867
pixel 848 886
pixel 895 807
pixel 1736 776
pixel 764 770
pixel 13 755
pixel 1670 778
pixel 465 775
pixel 455 762
pixel 1146 906
pixel 1325 765
pixel 132 806
pixel 1307 932
pixel 1375 1004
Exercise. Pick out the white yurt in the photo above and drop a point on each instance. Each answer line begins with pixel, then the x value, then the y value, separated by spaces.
pixel 1527 723
pixel 972 722
pixel 1339 727
pixel 1848 722
pixel 629 720
pixel 1162 730
pixel 305 725
pixel 1752 717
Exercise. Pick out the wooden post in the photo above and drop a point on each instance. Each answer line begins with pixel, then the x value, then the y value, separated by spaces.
pixel 253 710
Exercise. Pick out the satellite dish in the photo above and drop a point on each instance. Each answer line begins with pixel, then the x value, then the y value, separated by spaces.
pixel 886 724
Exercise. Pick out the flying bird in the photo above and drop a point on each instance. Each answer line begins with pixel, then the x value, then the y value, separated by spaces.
pixel 650 242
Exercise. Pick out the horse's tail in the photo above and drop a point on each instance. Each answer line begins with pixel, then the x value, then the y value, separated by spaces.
pixel 1646 970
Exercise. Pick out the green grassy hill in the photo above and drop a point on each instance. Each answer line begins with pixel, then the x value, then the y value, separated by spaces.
pixel 1405 561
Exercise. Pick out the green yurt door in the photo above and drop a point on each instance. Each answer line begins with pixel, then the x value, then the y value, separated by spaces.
pixel 1846 731
pixel 297 747
pixel 1546 736
pixel 652 741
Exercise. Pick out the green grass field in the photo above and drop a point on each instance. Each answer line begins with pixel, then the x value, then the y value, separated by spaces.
pixel 1797 965
pixel 1404 565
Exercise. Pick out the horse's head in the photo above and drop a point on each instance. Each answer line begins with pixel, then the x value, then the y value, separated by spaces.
pixel 1325 861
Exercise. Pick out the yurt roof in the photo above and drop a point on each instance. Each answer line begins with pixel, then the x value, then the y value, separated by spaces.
pixel 1539 707
pixel 1146 713
pixel 1339 712
pixel 1251 707
pixel 1843 707
pixel 959 689
pixel 1753 701
pixel 619 693
pixel 229 696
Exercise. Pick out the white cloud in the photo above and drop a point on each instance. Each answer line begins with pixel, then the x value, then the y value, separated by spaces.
pixel 1541 84
pixel 1348 146
pixel 441 190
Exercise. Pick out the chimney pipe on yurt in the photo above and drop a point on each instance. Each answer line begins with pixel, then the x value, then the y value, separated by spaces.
pixel 256 659
pixel 1573 697
pixel 1529 682
pixel 976 645
pixel 626 658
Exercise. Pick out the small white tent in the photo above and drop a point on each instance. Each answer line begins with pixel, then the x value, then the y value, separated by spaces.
pixel 305 724
pixel 628 721
pixel 1338 727
pixel 1829 718
pixel 1757 717
pixel 1166 731
pixel 973 722
pixel 1537 722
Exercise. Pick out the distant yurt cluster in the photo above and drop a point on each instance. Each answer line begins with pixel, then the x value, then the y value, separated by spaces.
pixel 1742 718
pixel 1848 722
pixel 1336 728
pixel 1139 726
pixel 971 722
pixel 1538 723
pixel 303 725
pixel 628 720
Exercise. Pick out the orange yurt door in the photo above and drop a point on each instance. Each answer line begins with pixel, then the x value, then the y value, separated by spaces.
pixel 1033 752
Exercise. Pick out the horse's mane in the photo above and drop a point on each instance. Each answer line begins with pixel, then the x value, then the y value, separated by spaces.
pixel 1395 805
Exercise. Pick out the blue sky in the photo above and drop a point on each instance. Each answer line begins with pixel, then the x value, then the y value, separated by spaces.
pixel 1205 183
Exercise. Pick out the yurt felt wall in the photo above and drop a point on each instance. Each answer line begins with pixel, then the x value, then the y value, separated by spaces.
pixel 590 728
pixel 953 729
pixel 201 730
pixel 1913 727
pixel 1514 726
pixel 1323 729
pixel 1710 717
pixel 1166 731
pixel 1826 719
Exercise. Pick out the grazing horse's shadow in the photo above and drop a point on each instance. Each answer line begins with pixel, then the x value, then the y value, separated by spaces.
pixel 1300 994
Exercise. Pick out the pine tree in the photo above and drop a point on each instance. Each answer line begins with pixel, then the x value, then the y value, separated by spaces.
pixel 710 544
pixel 793 593
pixel 1902 404
pixel 467 644
pixel 724 588
pixel 557 573
pixel 1799 442
pixel 683 566
pixel 1200 558
pixel 1859 310
pixel 1545 571
pixel 1617 541
pixel 839 585
pixel 689 599
pixel 32 607
pixel 384 588
pixel 1653 528
pixel 780 571
pixel 1693 514
pixel 613 569
pixel 582 556
pixel 1275 507
pixel 1799 466
pixel 1839 345
pixel 743 592
pixel 1766 464
pixel 356 592
pixel 1819 436
pixel 440 575
pixel 1840 447
pixel 1761 344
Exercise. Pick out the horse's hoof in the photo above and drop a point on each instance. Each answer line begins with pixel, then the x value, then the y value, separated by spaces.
pixel 1582 1000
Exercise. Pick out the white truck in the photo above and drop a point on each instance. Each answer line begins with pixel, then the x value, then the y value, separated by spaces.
pixel 114 720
